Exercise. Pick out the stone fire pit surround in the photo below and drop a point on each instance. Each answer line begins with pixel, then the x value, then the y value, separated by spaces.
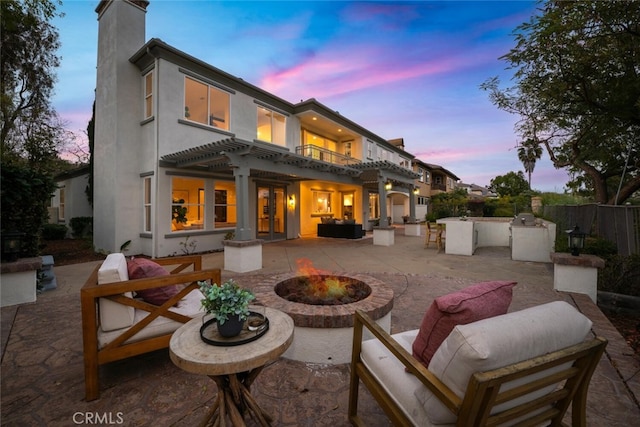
pixel 324 333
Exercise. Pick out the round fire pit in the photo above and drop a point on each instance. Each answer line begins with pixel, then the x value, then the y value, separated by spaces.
pixel 324 331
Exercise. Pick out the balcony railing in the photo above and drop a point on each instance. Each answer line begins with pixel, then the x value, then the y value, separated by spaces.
pixel 325 155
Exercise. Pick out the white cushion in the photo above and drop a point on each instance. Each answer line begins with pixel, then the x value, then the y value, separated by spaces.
pixel 112 314
pixel 499 341
pixel 190 306
pixel 400 384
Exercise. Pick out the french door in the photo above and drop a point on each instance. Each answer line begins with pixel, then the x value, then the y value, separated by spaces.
pixel 271 213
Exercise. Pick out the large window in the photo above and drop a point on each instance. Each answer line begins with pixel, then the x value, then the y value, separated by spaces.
pixel 271 126
pixel 206 104
pixel 225 210
pixel 187 204
pixel 321 202
pixel 147 204
pixel 148 95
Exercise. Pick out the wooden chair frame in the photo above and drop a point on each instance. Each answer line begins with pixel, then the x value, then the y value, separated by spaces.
pixel 430 231
pixel 188 271
pixel 483 390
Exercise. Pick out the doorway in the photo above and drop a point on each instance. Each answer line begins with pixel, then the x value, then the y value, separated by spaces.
pixel 271 213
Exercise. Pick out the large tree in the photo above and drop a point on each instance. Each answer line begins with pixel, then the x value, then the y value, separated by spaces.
pixel 31 131
pixel 509 184
pixel 577 91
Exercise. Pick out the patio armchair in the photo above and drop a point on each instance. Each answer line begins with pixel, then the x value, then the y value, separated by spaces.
pixel 117 323
pixel 481 375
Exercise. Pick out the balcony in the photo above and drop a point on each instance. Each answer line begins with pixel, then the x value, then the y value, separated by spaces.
pixel 325 155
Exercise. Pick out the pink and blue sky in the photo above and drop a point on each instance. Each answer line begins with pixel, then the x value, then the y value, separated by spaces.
pixel 408 69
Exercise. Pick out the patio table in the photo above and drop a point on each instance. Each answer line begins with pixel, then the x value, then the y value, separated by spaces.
pixel 233 368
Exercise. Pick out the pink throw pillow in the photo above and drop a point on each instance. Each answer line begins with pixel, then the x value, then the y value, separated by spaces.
pixel 142 268
pixel 476 302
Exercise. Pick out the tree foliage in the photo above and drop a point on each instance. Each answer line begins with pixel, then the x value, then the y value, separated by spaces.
pixel 509 184
pixel 529 153
pixel 577 92
pixel 31 130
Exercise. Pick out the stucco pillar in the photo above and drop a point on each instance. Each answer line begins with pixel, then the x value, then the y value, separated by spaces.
pixel 383 202
pixel 243 229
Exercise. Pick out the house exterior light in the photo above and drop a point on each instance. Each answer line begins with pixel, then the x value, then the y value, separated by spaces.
pixel 576 240
pixel 11 245
pixel 388 186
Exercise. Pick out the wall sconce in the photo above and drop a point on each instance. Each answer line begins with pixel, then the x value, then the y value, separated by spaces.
pixel 576 240
pixel 416 190
pixel 388 186
pixel 11 245
pixel 292 202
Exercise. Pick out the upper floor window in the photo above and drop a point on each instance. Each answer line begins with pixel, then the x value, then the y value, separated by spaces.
pixel 369 150
pixel 205 104
pixel 421 173
pixel 438 179
pixel 427 177
pixel 148 95
pixel 271 126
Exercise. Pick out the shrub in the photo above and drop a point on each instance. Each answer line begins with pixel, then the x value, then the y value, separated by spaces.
pixel 81 226
pixel 54 231
pixel 621 274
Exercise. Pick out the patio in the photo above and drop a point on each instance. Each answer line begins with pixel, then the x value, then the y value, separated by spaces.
pixel 42 369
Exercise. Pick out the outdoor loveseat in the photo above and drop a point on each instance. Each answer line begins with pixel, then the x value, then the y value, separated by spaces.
pixel 343 229
pixel 118 323
pixel 526 366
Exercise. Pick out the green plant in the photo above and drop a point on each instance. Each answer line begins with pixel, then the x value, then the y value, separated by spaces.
pixel 81 226
pixel 188 247
pixel 179 212
pixel 225 300
pixel 54 231
pixel 230 235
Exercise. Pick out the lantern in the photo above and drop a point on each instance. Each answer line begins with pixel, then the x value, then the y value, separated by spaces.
pixel 576 240
pixel 11 245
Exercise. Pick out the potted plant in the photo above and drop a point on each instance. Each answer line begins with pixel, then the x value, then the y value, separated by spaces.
pixel 229 303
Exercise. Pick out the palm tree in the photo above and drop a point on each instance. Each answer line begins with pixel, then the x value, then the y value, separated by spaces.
pixel 528 153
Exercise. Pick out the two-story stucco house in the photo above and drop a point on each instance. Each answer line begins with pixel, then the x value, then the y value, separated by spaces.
pixel 184 149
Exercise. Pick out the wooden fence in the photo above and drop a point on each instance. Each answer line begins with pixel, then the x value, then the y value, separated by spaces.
pixel 618 224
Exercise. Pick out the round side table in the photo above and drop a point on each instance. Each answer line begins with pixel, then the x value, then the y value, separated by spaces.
pixel 233 368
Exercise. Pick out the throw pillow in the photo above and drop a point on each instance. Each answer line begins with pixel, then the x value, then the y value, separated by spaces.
pixel 476 302
pixel 142 268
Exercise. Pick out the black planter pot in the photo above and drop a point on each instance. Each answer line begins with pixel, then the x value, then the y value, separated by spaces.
pixel 231 327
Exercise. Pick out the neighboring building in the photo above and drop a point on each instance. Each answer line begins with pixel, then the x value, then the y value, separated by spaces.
pixel 476 190
pixel 432 179
pixel 185 150
pixel 70 198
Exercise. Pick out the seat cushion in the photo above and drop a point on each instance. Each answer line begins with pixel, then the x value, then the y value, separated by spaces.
pixel 399 384
pixel 476 302
pixel 497 342
pixel 142 268
pixel 190 306
pixel 112 314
